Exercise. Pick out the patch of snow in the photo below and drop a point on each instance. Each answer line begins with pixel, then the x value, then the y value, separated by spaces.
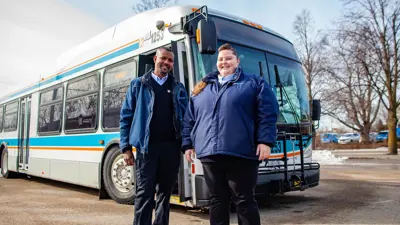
pixel 325 157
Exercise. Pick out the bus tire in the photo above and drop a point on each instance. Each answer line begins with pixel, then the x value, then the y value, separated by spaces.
pixel 4 166
pixel 119 179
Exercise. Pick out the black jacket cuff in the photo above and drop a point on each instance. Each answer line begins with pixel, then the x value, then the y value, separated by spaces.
pixel 126 149
pixel 184 148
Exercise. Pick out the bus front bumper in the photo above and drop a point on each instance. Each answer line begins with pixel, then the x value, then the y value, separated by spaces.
pixel 270 182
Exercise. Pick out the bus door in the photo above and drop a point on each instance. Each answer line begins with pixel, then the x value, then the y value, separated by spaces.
pixel 181 73
pixel 23 135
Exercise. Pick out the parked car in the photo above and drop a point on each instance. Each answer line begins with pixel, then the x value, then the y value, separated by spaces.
pixel 398 133
pixel 349 138
pixel 382 136
pixel 329 138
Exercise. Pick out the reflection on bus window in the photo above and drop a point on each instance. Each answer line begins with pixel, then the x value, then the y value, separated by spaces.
pixel 81 104
pixel 116 82
pixel 295 105
pixel 50 110
pixel 11 117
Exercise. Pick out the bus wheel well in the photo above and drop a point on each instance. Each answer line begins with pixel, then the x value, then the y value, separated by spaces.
pixel 102 192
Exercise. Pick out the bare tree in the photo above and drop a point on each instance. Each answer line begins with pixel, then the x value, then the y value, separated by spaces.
pixel 351 98
pixel 375 23
pixel 145 5
pixel 310 46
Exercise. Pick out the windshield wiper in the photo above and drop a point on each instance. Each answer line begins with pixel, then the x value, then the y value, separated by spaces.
pixel 279 84
pixel 282 91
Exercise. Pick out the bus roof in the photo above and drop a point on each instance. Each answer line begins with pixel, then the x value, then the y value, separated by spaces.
pixel 124 33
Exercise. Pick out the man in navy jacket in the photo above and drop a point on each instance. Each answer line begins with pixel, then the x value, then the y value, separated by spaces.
pixel 151 122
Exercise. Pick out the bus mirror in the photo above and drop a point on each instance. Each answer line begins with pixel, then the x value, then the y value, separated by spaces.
pixel 206 36
pixel 316 109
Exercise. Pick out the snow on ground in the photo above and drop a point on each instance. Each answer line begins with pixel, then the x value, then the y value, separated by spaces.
pixel 325 157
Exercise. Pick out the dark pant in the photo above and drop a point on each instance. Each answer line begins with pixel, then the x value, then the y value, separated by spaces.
pixel 236 178
pixel 156 172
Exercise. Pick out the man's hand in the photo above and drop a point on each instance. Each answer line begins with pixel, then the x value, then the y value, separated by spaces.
pixel 128 158
pixel 188 154
pixel 263 151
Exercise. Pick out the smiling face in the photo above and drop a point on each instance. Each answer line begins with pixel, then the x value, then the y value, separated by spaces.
pixel 164 62
pixel 227 62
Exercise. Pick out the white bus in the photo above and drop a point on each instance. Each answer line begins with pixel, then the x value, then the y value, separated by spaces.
pixel 66 127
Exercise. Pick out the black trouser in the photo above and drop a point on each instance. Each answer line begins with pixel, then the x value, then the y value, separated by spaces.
pixel 156 172
pixel 236 178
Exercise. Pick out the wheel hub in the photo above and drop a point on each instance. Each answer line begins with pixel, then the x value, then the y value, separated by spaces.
pixel 122 175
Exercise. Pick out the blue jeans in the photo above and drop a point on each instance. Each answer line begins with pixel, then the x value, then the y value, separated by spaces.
pixel 156 172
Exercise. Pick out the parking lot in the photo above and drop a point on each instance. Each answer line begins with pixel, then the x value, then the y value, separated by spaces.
pixel 357 191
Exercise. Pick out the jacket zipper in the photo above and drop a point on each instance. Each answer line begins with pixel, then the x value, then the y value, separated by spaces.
pixel 220 92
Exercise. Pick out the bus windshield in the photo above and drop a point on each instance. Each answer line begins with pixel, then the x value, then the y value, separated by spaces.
pixel 295 105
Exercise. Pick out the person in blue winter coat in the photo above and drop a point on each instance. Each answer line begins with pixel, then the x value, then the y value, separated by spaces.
pixel 230 124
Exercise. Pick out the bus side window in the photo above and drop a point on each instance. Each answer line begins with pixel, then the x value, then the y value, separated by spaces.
pixel 50 110
pixel 82 104
pixel 185 72
pixel 11 117
pixel 116 82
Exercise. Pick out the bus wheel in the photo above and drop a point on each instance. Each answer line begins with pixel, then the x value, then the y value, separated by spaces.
pixel 4 166
pixel 119 179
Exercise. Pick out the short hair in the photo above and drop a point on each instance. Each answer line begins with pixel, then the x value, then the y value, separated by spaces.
pixel 164 48
pixel 227 46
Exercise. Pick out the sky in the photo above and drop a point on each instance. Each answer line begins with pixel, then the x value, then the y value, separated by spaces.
pixel 35 33
pixel 275 14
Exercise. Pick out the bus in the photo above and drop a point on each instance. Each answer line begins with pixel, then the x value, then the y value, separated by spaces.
pixel 66 127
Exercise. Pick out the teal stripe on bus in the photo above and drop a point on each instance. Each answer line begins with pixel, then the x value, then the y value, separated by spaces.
pixel 89 140
pixel 93 140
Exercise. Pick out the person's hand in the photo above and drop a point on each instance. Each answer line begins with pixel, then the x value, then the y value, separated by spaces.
pixel 263 151
pixel 188 154
pixel 128 158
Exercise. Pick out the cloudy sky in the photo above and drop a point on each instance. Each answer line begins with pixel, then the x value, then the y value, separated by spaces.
pixel 34 34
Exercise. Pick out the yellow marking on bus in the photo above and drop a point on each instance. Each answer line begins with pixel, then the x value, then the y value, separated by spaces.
pixel 277 156
pixel 175 200
pixel 38 148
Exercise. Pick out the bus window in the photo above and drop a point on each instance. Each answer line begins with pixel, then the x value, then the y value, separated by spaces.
pixel 11 117
pixel 1 118
pixel 81 104
pixel 50 110
pixel 185 71
pixel 116 83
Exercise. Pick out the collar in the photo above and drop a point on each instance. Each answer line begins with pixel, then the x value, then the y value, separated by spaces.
pixel 157 78
pixel 213 76
pixel 225 78
pixel 146 77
